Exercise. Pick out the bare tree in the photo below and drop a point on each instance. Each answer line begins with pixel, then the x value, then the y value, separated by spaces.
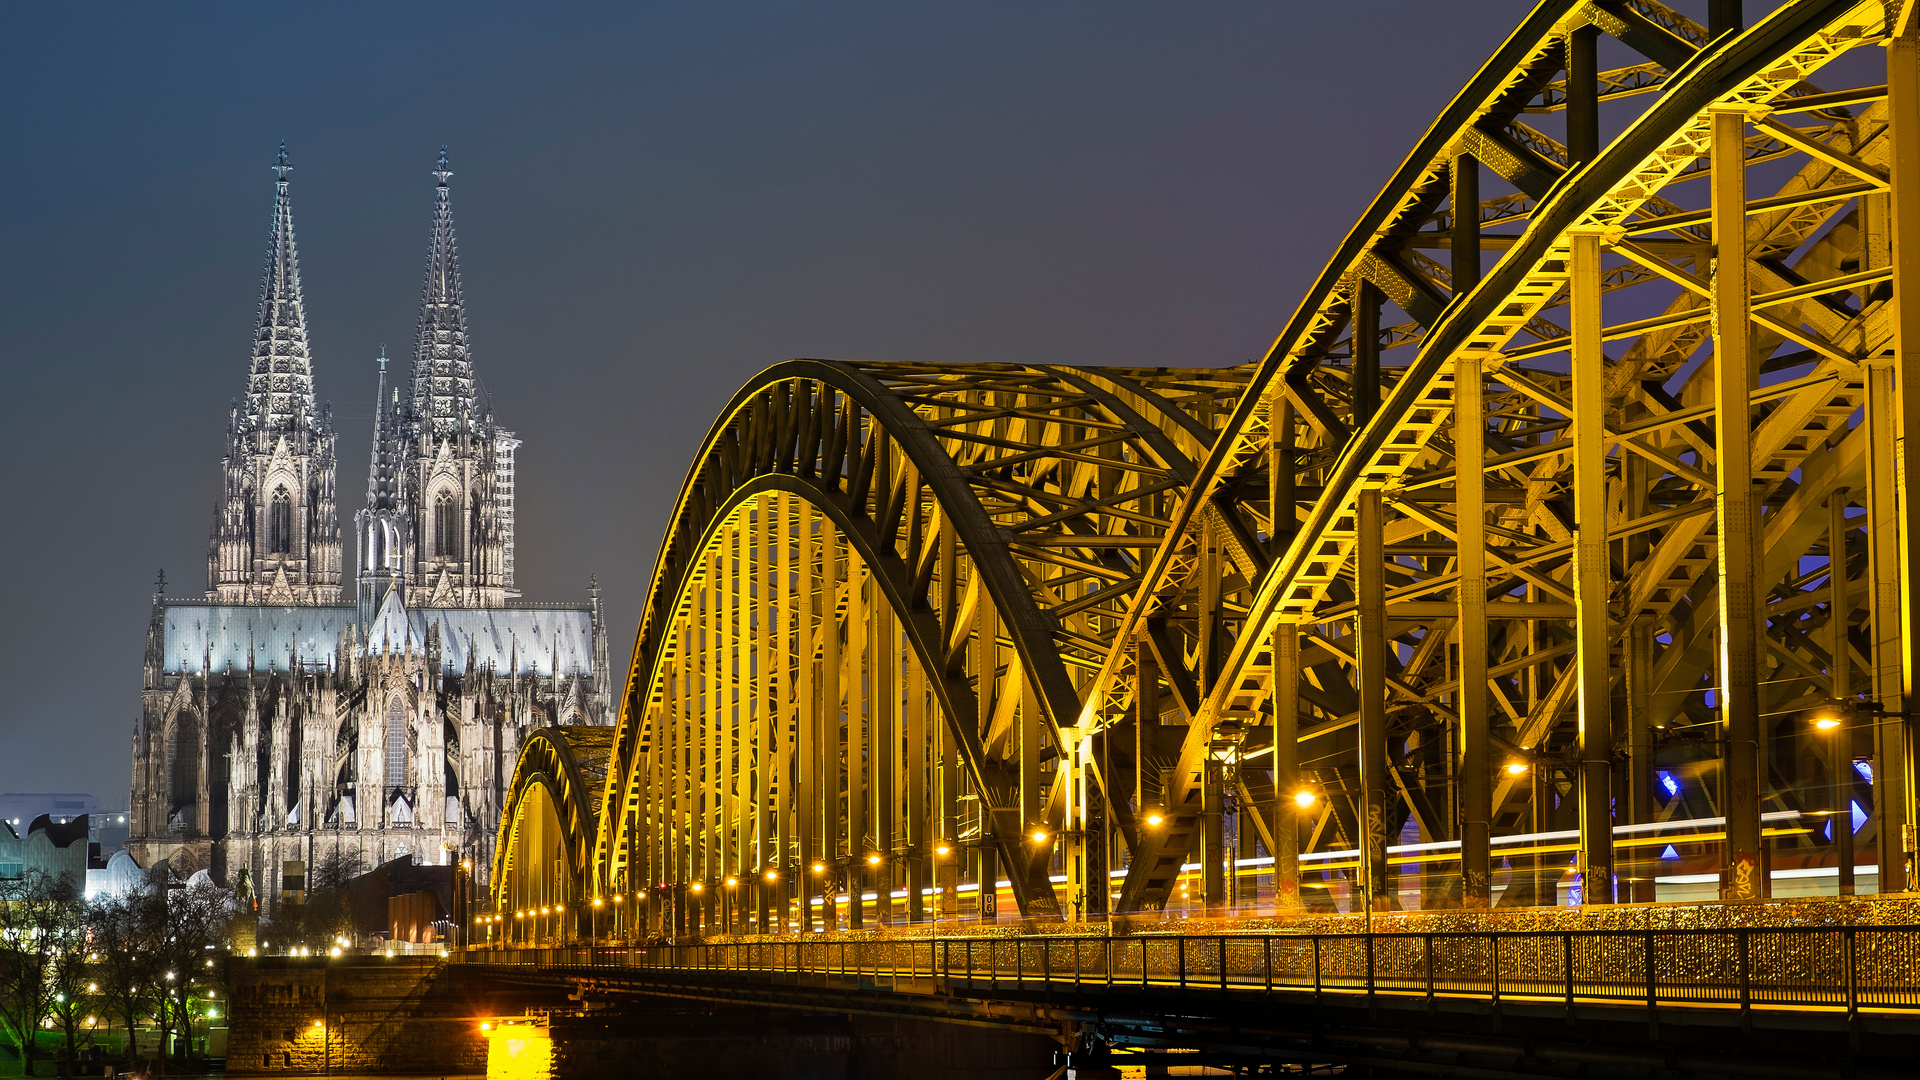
pixel 31 909
pixel 126 934
pixel 197 922
pixel 70 976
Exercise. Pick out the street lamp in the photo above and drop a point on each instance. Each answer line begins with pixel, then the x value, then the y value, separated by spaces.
pixel 1305 798
pixel 1516 767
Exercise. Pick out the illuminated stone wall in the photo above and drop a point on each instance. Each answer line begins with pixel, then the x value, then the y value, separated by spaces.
pixel 362 1014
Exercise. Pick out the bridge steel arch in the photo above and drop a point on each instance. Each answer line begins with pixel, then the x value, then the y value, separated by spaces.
pixel 541 880
pixel 1571 524
pixel 882 594
pixel 1503 491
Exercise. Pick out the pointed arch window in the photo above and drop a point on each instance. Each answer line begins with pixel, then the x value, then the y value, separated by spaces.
pixel 446 526
pixel 280 523
pixel 396 744
pixel 183 753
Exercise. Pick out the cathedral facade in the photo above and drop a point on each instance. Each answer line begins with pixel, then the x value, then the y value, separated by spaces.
pixel 291 715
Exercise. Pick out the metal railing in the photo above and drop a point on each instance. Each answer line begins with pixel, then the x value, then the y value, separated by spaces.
pixel 1846 968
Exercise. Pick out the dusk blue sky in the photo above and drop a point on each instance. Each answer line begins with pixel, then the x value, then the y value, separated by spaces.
pixel 654 202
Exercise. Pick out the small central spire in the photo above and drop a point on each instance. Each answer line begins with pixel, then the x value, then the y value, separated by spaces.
pixel 280 166
pixel 443 174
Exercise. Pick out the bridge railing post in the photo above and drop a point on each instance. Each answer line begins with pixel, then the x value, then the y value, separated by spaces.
pixel 1223 963
pixel 1496 970
pixel 1653 997
pixel 1316 969
pixel 1429 948
pixel 1853 974
pixel 1370 970
pixel 1566 963
pixel 1746 973
pixel 1181 944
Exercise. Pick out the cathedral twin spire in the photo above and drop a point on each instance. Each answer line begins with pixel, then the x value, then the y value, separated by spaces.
pixel 280 386
pixel 430 518
pixel 443 383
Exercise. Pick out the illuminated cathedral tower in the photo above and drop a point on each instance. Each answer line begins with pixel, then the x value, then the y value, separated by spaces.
pixel 276 535
pixel 456 553
pixel 282 722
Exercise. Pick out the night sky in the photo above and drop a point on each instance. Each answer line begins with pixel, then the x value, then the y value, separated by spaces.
pixel 654 202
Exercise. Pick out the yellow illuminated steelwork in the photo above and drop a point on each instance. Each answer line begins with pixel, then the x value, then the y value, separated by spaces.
pixel 1590 454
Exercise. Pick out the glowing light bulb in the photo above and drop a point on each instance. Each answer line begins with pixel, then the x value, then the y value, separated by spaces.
pixel 1039 836
pixel 1826 723
pixel 1304 798
pixel 873 860
pixel 1154 818
pixel 1516 768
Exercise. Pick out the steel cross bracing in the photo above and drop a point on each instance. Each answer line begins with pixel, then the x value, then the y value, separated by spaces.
pixel 1492 542
pixel 1619 422
pixel 883 594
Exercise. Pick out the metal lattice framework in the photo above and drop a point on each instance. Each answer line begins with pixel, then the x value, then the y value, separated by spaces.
pixel 1492 540
pixel 883 592
pixel 547 829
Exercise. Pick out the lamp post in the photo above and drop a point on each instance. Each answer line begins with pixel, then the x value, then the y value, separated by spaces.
pixel 1831 723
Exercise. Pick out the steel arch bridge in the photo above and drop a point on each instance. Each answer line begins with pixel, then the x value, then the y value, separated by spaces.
pixel 1567 501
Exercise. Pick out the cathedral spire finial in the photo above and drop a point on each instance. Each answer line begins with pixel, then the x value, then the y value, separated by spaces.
pixel 280 386
pixel 443 380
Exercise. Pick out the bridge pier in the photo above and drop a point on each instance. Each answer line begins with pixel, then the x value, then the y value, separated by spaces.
pixel 720 1042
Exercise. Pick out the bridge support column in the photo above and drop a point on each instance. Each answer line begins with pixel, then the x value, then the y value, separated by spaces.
pixel 1903 108
pixel 1474 787
pixel 1283 813
pixel 883 746
pixel 1640 750
pixel 1370 682
pixel 1734 379
pixel 1213 848
pixel 1839 756
pixel 1591 573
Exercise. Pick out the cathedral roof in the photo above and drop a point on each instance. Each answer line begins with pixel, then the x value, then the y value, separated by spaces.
pixel 280 385
pixel 219 636
pixel 443 382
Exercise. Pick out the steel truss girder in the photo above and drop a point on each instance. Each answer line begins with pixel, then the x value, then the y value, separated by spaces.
pixel 1405 439
pixel 569 765
pixel 1046 478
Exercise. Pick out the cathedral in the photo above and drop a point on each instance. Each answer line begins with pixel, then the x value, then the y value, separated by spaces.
pixel 285 719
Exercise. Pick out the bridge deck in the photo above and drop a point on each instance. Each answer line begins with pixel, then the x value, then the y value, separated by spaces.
pixel 1846 969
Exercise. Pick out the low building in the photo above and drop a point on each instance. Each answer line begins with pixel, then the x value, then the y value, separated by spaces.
pixel 53 848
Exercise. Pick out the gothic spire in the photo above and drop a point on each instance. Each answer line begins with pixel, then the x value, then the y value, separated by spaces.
pixel 383 478
pixel 443 384
pixel 280 387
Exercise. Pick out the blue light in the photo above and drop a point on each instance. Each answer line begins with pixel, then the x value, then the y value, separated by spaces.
pixel 1671 852
pixel 1865 769
pixel 1667 781
pixel 1859 817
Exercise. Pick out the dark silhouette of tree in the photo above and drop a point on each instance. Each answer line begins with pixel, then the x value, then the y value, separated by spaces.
pixel 32 909
pixel 127 932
